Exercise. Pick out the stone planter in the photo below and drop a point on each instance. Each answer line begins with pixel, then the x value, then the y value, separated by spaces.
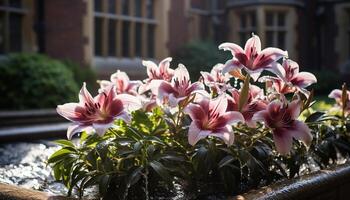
pixel 323 185
pixel 10 192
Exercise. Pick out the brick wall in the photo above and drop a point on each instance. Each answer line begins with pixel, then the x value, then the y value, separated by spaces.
pixel 178 29
pixel 64 29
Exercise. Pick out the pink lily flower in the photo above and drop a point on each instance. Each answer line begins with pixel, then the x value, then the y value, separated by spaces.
pixel 282 119
pixel 122 84
pixel 97 113
pixel 216 80
pixel 148 103
pixel 337 95
pixel 252 59
pixel 255 102
pixel 178 89
pixel 290 79
pixel 154 72
pixel 210 118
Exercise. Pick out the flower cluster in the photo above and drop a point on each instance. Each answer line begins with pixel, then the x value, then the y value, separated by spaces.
pixel 170 128
pixel 213 104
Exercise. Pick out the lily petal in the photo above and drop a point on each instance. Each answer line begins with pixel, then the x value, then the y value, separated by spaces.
pixel 130 102
pixel 218 105
pixel 195 134
pixel 151 68
pixel 335 94
pixel 303 79
pixel 77 128
pixel 302 132
pixel 71 111
pixel 232 65
pixel 283 140
pixel 196 112
pixel 164 66
pixel 252 46
pixel 101 128
pixel 85 96
pixel 234 48
pixel 226 134
pixel 294 109
pixel 181 74
pixel 232 117
pixel 267 56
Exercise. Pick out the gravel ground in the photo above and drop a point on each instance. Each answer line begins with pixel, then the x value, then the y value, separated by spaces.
pixel 24 164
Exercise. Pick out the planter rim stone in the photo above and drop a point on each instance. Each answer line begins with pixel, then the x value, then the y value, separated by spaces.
pixel 305 187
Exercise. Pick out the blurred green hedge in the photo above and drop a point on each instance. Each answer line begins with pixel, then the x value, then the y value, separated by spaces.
pixel 326 81
pixel 200 56
pixel 31 81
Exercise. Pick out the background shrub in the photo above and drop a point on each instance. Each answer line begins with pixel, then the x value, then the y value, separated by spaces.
pixel 29 81
pixel 83 74
pixel 200 56
pixel 326 81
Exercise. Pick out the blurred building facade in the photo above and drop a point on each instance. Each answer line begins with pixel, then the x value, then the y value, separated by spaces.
pixel 111 34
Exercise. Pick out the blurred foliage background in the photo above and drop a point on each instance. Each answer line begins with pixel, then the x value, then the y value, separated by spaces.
pixel 31 81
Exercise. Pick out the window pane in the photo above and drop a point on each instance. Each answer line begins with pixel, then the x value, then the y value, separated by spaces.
pixel 15 32
pixel 243 21
pixel 242 38
pixel 349 43
pixel 98 5
pixel 150 41
pixel 111 6
pixel 112 38
pixel 98 36
pixel 125 7
pixel 138 39
pixel 125 39
pixel 15 3
pixel 281 19
pixel 2 32
pixel 138 8
pixel 281 39
pixel 252 19
pixel 269 38
pixel 269 19
pixel 150 9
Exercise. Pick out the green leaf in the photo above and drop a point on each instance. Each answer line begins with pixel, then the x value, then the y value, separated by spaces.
pixel 65 143
pixel 134 133
pixel 83 136
pixel 161 170
pixel 243 97
pixel 150 150
pixel 137 146
pixel 57 172
pixel 225 161
pixel 173 158
pixel 104 183
pixel 154 139
pixel 59 155
pixel 316 116
pixel 135 176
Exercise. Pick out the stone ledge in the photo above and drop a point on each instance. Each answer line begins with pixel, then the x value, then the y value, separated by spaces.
pixel 11 192
pixel 322 185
